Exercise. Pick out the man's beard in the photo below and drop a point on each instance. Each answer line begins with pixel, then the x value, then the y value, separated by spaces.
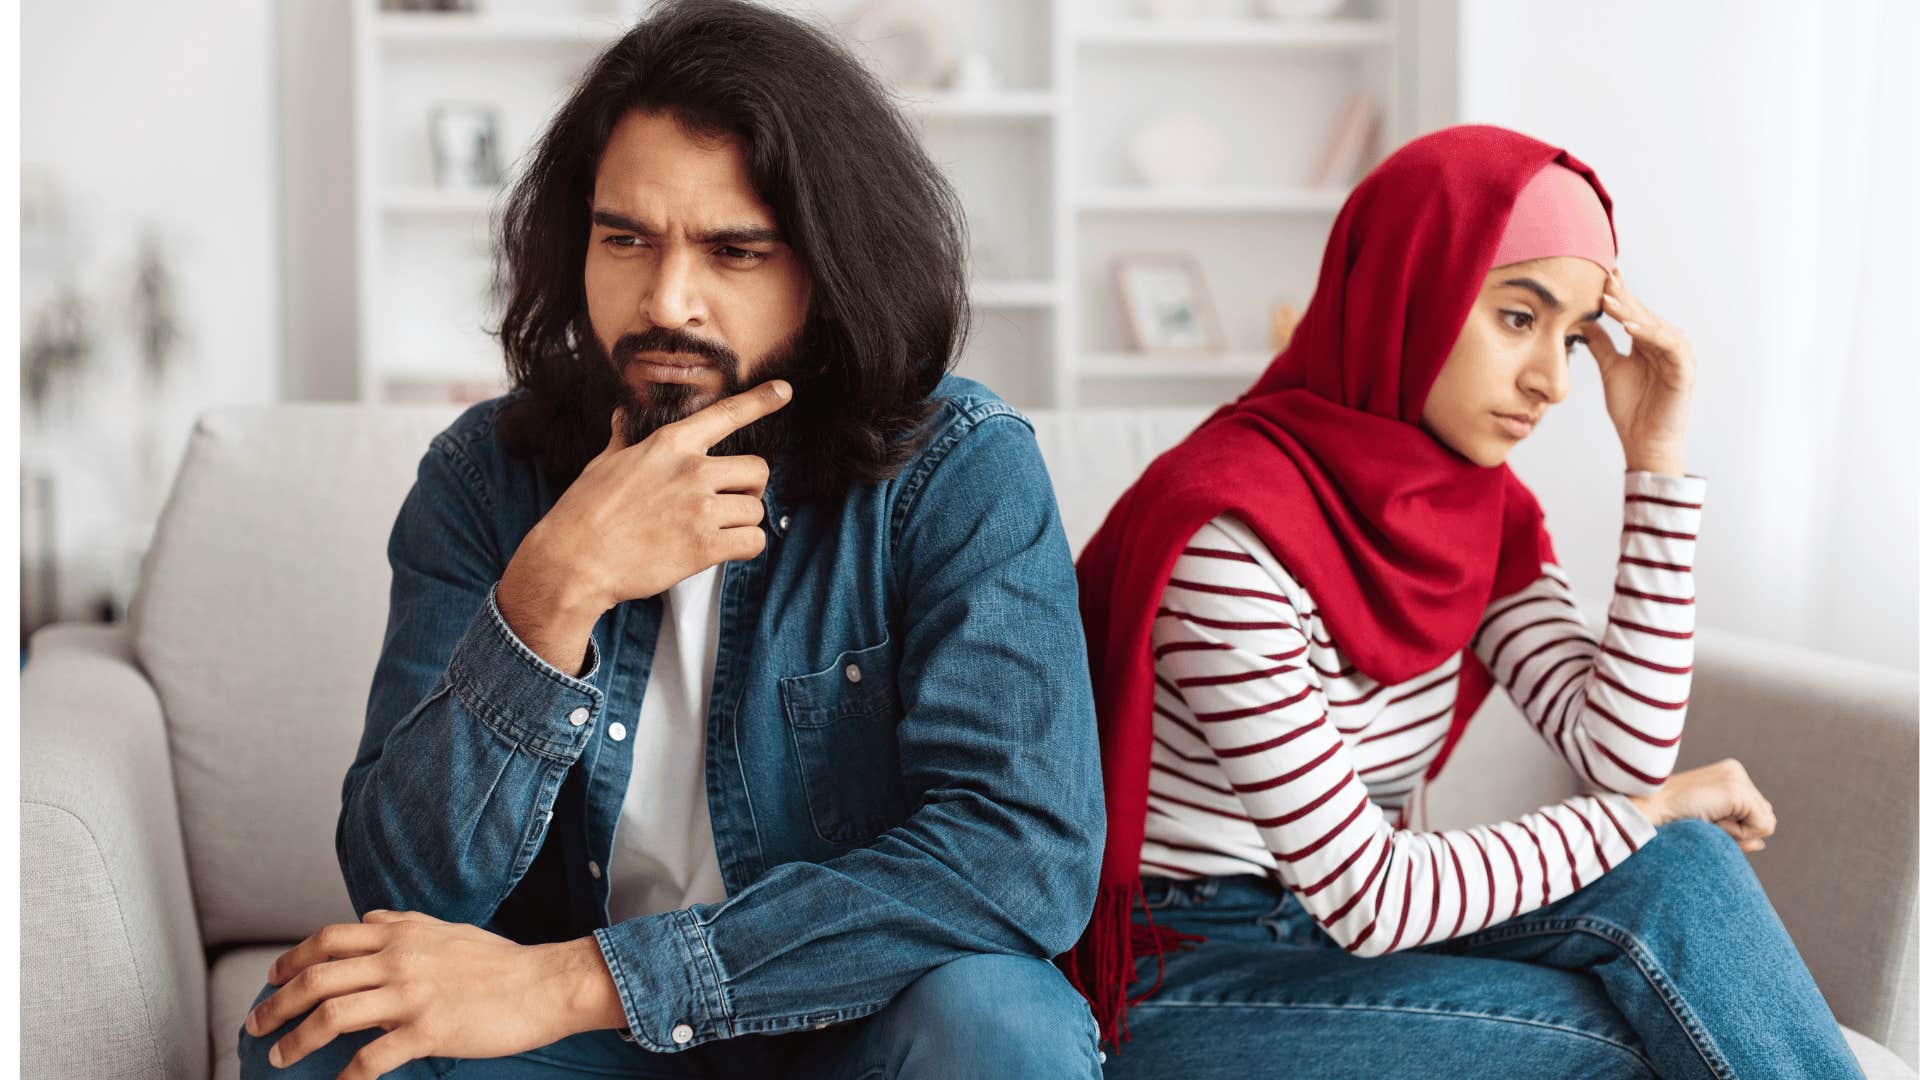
pixel 769 437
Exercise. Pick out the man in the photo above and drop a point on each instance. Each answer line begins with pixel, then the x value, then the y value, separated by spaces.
pixel 733 714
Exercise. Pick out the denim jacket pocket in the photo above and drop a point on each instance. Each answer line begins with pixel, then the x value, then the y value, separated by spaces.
pixel 842 722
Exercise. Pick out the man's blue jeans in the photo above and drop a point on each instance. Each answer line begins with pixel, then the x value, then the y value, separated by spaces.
pixel 1673 964
pixel 988 1016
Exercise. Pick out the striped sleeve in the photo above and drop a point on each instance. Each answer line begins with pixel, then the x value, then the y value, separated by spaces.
pixel 1229 646
pixel 1613 707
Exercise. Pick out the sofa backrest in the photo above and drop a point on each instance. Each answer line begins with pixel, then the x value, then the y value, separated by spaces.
pixel 264 595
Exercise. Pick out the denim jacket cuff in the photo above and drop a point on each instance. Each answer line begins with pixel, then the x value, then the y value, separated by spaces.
pixel 522 697
pixel 668 981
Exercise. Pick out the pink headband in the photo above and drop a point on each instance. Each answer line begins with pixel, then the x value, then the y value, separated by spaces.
pixel 1556 213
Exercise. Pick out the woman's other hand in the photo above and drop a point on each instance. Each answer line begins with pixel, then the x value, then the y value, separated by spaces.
pixel 1722 793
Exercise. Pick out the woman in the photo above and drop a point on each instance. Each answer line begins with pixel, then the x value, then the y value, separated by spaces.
pixel 1294 612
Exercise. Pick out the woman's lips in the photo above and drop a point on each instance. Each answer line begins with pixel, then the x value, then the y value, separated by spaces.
pixel 1517 426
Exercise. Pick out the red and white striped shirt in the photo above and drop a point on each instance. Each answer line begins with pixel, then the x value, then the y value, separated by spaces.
pixel 1272 755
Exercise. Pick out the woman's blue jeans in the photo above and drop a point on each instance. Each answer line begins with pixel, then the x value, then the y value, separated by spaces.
pixel 1674 964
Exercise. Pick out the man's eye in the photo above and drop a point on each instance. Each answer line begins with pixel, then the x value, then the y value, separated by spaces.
pixel 741 255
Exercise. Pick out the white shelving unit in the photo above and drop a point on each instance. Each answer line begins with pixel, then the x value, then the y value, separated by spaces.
pixel 1039 162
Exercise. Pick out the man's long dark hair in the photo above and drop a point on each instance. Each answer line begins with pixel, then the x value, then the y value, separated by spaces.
pixel 878 227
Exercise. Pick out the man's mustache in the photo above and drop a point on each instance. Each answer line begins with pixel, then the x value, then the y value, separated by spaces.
pixel 660 340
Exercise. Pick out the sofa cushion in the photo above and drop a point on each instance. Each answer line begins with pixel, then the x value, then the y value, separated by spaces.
pixel 237 977
pixel 259 617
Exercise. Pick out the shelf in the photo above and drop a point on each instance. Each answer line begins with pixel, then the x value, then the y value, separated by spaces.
pixel 1237 33
pixel 998 105
pixel 1233 365
pixel 466 27
pixel 1013 294
pixel 1212 200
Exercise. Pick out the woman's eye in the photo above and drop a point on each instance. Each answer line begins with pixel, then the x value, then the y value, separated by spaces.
pixel 1574 341
pixel 1519 320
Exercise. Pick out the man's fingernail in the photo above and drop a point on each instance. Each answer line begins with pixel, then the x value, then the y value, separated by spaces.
pixel 249 1024
pixel 781 389
pixel 274 1055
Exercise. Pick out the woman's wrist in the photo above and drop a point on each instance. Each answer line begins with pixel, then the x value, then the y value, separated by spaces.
pixel 1662 462
pixel 1649 807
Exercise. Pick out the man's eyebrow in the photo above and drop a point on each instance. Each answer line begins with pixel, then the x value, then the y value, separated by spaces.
pixel 725 234
pixel 1547 298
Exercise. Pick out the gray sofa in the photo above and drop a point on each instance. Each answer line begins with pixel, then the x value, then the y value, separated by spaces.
pixel 181 773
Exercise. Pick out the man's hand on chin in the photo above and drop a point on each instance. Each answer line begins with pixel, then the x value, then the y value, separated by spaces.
pixel 440 989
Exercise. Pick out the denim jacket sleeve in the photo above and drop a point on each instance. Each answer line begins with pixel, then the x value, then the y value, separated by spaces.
pixel 468 732
pixel 998 748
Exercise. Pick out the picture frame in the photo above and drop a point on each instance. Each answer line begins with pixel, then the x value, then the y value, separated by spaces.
pixel 466 145
pixel 1168 308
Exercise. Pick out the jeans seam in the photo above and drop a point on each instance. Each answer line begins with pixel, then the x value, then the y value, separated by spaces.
pixel 1637 1052
pixel 1630 945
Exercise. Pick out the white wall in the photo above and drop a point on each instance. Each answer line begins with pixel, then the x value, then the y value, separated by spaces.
pixel 314 144
pixel 148 117
pixel 1749 150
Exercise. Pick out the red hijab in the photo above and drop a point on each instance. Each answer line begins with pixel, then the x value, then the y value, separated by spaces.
pixel 1402 542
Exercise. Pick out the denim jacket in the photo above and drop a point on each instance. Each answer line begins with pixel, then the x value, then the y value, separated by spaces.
pixel 901 760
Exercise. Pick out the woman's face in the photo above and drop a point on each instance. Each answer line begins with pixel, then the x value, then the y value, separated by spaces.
pixel 1509 364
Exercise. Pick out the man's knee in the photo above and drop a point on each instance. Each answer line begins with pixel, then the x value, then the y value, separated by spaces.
pixel 1009 1015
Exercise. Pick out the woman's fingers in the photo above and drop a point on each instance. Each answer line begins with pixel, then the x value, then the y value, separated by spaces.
pixel 1623 298
pixel 1600 344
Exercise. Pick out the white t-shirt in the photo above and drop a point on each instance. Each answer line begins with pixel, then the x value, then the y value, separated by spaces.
pixel 663 857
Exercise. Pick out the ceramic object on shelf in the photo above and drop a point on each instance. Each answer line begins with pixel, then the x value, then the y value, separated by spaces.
pixel 974 76
pixel 1177 150
pixel 904 41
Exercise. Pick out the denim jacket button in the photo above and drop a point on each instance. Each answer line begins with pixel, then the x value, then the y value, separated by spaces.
pixel 593 868
pixel 785 520
pixel 682 1034
pixel 616 731
pixel 853 672
pixel 577 716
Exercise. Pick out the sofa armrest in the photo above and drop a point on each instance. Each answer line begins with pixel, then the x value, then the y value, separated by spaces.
pixel 1832 743
pixel 113 977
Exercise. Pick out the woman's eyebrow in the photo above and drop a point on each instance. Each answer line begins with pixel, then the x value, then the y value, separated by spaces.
pixel 1546 297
